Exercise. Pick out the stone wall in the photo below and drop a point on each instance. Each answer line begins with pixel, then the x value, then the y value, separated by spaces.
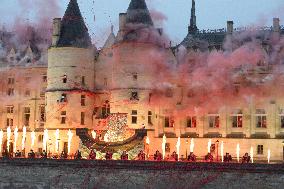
pixel 33 174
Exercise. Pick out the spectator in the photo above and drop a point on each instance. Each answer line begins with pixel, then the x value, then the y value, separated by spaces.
pixel 78 155
pixel 227 158
pixel 174 156
pixel 191 157
pixel 92 155
pixel 246 158
pixel 31 154
pixel 158 156
pixel 124 156
pixel 209 157
pixel 43 154
pixel 108 155
pixel 18 154
pixel 141 156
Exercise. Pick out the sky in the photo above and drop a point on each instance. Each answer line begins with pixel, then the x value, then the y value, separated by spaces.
pixel 100 14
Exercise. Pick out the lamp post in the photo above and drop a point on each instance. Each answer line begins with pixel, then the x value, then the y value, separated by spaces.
pixel 217 142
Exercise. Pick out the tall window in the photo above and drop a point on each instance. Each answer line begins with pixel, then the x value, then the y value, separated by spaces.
pixel 150 118
pixel 191 121
pixel 260 149
pixel 134 117
pixel 27 115
pixel 169 121
pixel 105 82
pixel 135 77
pixel 63 117
pixel 83 80
pixel 64 78
pixel 106 109
pixel 44 78
pixel 10 109
pixel 82 118
pixel 11 81
pixel 83 100
pixel 27 93
pixel 281 118
pixel 9 122
pixel 260 118
pixel 214 120
pixel 10 92
pixel 237 119
pixel 42 115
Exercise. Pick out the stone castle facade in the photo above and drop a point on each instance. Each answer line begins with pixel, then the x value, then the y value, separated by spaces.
pixel 81 86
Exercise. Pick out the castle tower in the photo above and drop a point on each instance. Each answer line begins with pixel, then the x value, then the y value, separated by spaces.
pixel 69 95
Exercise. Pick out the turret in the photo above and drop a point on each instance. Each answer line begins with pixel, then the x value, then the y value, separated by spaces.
pixel 70 73
pixel 276 25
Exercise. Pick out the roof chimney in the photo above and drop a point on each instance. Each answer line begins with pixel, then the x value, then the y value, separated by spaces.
pixel 56 31
pixel 276 25
pixel 122 21
pixel 230 27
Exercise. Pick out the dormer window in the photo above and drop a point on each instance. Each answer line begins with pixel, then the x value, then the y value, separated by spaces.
pixel 134 96
pixel 63 98
pixel 64 79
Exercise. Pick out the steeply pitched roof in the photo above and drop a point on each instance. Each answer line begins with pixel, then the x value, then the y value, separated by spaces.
pixel 138 13
pixel 110 40
pixel 74 32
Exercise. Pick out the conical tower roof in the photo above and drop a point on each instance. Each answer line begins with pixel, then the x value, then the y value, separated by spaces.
pixel 74 32
pixel 138 13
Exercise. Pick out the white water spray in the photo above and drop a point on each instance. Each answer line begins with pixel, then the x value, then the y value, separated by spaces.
pixel 251 154
pixel 24 137
pixel 57 140
pixel 33 137
pixel 1 139
pixel 16 134
pixel 70 135
pixel 8 137
pixel 238 152
pixel 45 139
pixel 191 149
pixel 268 156
pixel 164 146
pixel 178 147
pixel 222 151
pixel 209 145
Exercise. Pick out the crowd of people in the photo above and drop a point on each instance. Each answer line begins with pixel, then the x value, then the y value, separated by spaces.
pixel 124 156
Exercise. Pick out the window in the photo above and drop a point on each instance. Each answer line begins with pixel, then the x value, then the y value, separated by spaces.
pixel 83 80
pixel 150 118
pixel 260 149
pixel 28 79
pixel 42 92
pixel 134 96
pixel 105 82
pixel 237 119
pixel 83 100
pixel 82 118
pixel 281 118
pixel 63 117
pixel 169 93
pixel 27 115
pixel 134 117
pixel 44 78
pixel 135 77
pixel 260 118
pixel 106 109
pixel 40 138
pixel 214 121
pixel 10 109
pixel 169 121
pixel 11 81
pixel 42 115
pixel 27 93
pixel 10 92
pixel 191 122
pixel 64 78
pixel 63 98
pixel 9 122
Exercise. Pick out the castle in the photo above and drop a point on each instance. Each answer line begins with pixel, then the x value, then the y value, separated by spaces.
pixel 138 73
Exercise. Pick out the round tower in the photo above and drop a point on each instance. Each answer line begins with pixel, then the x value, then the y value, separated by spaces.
pixel 69 95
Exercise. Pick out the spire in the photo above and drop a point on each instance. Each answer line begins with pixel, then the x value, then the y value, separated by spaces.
pixel 138 13
pixel 74 32
pixel 192 29
pixel 110 40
